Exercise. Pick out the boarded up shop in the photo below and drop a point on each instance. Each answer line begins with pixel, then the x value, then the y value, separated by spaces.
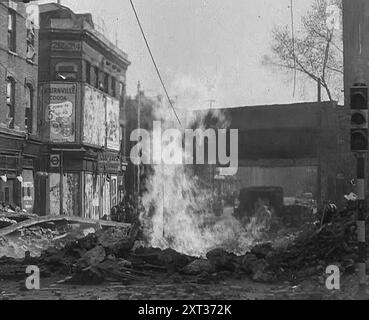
pixel 84 150
pixel 82 75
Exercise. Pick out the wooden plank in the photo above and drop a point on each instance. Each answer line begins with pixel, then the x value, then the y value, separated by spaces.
pixel 70 219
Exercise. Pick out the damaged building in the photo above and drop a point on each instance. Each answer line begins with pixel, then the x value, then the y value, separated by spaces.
pixel 19 127
pixel 82 78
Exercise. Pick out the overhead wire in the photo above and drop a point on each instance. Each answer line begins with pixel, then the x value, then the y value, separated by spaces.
pixel 153 60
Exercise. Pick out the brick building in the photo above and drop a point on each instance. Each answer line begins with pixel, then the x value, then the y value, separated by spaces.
pixel 19 127
pixel 82 78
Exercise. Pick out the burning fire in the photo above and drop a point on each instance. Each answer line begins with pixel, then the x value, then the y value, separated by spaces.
pixel 178 215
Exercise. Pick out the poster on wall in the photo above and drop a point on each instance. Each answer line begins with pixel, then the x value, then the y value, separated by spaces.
pixel 60 101
pixel 112 123
pixel 70 194
pixel 114 190
pixel 28 191
pixel 106 196
pixel 54 194
pixel 92 193
pixel 94 117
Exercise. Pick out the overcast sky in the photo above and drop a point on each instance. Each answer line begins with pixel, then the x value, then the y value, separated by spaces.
pixel 205 49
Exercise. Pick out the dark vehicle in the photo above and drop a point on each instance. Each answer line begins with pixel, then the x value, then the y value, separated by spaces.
pixel 249 198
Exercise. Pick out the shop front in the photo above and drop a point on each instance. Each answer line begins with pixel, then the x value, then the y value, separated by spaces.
pixel 89 184
pixel 17 173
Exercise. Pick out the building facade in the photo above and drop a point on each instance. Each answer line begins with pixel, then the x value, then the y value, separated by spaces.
pixel 82 77
pixel 19 125
pixel 295 146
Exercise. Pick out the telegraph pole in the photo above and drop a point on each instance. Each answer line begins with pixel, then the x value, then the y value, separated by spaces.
pixel 138 126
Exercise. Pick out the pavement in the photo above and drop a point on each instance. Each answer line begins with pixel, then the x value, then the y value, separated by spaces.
pixel 171 288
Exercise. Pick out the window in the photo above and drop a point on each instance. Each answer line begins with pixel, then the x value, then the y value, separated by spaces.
pixel 122 139
pixel 106 83
pixel 66 71
pixel 113 85
pixel 88 72
pixel 121 89
pixel 96 77
pixel 11 30
pixel 29 109
pixel 10 97
pixel 121 93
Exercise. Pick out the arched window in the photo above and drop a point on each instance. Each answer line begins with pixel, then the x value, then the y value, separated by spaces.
pixel 10 101
pixel 28 116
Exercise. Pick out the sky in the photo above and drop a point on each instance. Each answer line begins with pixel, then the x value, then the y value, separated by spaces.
pixel 205 49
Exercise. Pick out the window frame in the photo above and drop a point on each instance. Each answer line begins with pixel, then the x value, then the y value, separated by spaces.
pixel 12 30
pixel 28 113
pixel 68 70
pixel 113 86
pixel 97 74
pixel 106 82
pixel 88 72
pixel 11 103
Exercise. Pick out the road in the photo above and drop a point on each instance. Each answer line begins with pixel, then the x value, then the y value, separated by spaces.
pixel 174 288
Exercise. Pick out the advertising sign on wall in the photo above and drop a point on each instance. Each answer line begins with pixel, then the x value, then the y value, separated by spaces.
pixel 112 123
pixel 61 45
pixel 60 101
pixel 94 117
pixel 92 195
pixel 28 191
pixel 114 190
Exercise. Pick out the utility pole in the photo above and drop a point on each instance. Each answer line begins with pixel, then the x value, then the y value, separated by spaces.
pixel 139 127
pixel 61 183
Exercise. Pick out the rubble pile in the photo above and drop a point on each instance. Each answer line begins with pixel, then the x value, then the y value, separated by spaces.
pixel 9 217
pixel 311 252
pixel 113 255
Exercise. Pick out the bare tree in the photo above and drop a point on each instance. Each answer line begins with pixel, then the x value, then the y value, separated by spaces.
pixel 315 49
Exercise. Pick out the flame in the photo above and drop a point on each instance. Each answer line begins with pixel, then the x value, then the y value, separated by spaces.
pixel 178 212
pixel 178 216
